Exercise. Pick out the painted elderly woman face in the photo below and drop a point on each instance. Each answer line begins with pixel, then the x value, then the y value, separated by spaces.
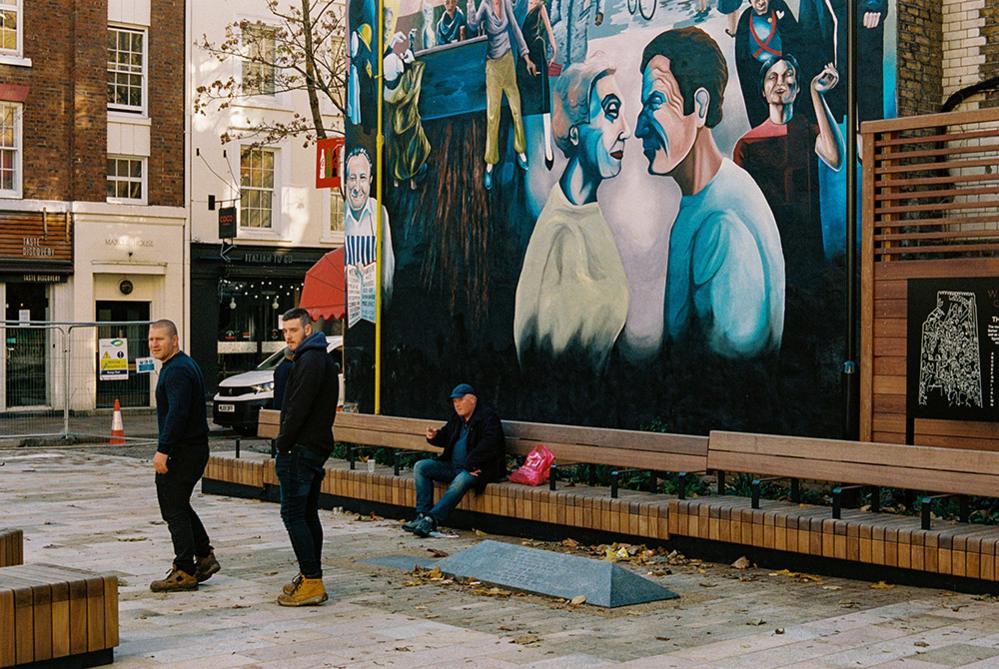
pixel 602 139
pixel 780 84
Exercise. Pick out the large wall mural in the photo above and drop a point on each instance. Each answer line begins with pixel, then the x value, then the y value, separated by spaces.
pixel 613 212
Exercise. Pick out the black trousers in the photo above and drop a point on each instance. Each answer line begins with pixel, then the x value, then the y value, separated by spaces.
pixel 173 490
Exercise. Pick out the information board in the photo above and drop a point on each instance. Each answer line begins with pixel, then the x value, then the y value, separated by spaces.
pixel 953 348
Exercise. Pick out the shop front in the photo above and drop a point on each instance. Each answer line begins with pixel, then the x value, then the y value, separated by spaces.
pixel 236 299
pixel 36 262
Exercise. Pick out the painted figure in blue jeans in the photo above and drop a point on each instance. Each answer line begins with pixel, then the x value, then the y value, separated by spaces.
pixel 473 456
pixel 181 456
pixel 303 444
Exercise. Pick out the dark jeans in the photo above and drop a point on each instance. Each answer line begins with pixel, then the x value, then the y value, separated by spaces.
pixel 428 471
pixel 301 474
pixel 173 490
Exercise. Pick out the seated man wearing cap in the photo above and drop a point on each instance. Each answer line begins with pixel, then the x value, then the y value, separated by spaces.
pixel 473 456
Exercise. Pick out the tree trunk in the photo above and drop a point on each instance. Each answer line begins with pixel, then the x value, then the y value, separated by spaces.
pixel 310 71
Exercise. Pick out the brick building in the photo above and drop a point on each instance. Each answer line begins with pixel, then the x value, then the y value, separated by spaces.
pixel 92 201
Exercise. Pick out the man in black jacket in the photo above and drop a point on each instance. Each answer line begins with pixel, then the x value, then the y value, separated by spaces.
pixel 180 459
pixel 474 455
pixel 303 444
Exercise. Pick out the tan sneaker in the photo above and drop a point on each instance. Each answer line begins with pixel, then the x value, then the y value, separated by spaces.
pixel 206 566
pixel 176 581
pixel 289 588
pixel 310 592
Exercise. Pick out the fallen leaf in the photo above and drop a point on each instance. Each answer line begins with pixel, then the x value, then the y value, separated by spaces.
pixel 480 533
pixel 437 553
pixel 741 563
pixel 707 584
pixel 404 649
pixel 756 622
pixel 578 600
pixel 570 543
pixel 662 638
pixel 881 585
pixel 526 639
pixel 779 630
pixel 435 574
pixel 831 587
pixel 131 538
pixel 921 644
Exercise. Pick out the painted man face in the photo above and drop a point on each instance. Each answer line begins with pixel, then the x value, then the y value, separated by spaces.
pixel 761 7
pixel 358 181
pixel 602 139
pixel 780 84
pixel 667 133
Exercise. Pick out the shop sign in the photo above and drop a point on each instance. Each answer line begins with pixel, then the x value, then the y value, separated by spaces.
pixel 145 365
pixel 262 258
pixel 32 247
pixel 113 355
pixel 35 278
pixel 227 223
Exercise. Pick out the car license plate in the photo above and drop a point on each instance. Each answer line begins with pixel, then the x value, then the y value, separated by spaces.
pixel 227 408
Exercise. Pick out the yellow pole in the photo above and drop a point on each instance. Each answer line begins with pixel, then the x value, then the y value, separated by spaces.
pixel 379 143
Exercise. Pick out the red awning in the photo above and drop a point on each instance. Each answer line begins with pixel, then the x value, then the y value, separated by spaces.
pixel 324 294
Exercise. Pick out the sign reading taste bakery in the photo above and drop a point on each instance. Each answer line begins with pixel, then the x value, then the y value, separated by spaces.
pixel 36 243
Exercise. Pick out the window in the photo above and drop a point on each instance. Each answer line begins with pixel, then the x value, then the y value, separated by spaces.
pixel 10 149
pixel 126 69
pixel 256 187
pixel 10 27
pixel 126 179
pixel 336 210
pixel 258 68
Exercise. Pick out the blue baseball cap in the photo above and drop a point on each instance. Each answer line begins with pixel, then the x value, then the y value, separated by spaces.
pixel 461 390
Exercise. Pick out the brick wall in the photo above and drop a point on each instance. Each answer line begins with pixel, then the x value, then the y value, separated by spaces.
pixel 89 102
pixel 920 67
pixel 47 130
pixel 166 103
pixel 990 50
pixel 965 48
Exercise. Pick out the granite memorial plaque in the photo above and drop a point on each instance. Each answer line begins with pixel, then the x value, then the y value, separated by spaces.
pixel 556 574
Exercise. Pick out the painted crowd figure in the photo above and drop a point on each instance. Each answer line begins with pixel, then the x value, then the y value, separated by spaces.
pixel 766 29
pixel 572 295
pixel 496 19
pixel 725 270
pixel 575 32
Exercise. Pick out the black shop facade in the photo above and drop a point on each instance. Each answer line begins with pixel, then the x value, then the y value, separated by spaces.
pixel 236 298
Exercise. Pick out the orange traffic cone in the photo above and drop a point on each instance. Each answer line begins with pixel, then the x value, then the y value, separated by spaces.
pixel 117 427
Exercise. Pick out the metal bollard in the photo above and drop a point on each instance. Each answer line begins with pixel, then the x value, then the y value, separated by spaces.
pixel 237 447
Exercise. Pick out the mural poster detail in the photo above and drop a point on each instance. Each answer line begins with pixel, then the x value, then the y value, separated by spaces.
pixel 627 213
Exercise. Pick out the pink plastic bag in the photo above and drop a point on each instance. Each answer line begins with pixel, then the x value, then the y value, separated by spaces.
pixel 536 468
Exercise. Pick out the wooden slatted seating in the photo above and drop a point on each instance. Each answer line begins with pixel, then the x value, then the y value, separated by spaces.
pixel 53 614
pixel 929 469
pixel 11 547
pixel 630 449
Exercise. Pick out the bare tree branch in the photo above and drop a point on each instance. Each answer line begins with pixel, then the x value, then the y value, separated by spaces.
pixel 302 49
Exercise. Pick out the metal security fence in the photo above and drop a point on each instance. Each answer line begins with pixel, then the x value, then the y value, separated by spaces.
pixel 62 379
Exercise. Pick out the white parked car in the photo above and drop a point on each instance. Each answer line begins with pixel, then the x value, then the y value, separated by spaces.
pixel 241 397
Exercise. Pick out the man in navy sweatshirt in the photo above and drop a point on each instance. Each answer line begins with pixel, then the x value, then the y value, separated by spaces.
pixel 304 443
pixel 181 456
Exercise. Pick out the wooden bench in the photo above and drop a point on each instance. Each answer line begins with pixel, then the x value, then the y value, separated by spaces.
pixel 268 423
pixel 48 613
pixel 628 449
pixel 11 547
pixel 928 469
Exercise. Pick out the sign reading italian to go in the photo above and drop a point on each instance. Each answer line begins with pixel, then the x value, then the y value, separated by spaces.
pixel 113 359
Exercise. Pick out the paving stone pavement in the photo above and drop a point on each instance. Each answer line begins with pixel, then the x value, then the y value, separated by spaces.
pixel 85 508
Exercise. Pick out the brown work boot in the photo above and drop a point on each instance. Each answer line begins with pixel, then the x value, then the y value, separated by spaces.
pixel 176 580
pixel 310 592
pixel 206 566
pixel 289 588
